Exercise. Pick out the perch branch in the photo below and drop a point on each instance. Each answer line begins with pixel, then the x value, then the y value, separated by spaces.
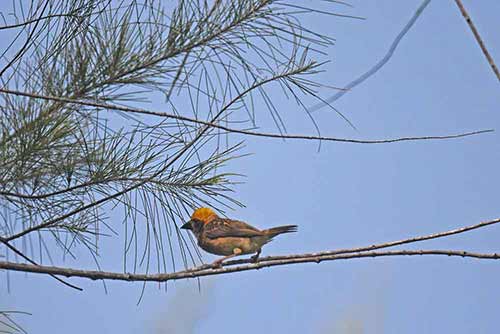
pixel 271 261
pixel 209 271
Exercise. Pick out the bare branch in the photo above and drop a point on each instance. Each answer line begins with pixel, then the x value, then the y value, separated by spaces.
pixel 232 130
pixel 478 38
pixel 385 244
pixel 271 261
pixel 379 64
pixel 208 271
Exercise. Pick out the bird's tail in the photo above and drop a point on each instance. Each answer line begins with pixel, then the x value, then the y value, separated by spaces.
pixel 272 232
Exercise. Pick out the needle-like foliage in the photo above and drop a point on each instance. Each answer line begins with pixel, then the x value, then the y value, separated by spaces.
pixel 66 168
pixel 8 324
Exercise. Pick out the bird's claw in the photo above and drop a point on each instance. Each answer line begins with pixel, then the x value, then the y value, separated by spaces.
pixel 254 258
pixel 217 264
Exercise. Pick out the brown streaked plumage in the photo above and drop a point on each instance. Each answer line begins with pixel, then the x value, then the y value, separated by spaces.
pixel 222 236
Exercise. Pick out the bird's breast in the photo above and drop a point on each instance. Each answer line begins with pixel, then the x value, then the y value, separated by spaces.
pixel 226 245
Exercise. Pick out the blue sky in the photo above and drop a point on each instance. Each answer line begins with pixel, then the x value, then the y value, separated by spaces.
pixel 345 195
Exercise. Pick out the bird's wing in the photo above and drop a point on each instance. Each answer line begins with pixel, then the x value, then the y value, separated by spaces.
pixel 219 228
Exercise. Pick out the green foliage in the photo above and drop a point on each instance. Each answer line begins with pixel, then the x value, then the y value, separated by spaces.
pixel 8 324
pixel 65 166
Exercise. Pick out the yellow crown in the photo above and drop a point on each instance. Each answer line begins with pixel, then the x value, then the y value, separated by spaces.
pixel 204 214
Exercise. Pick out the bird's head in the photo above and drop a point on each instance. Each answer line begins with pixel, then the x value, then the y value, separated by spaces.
pixel 199 218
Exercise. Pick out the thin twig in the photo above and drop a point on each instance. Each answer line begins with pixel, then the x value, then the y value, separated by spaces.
pixel 478 38
pixel 86 185
pixel 232 130
pixel 12 326
pixel 381 245
pixel 23 49
pixel 379 64
pixel 17 25
pixel 21 254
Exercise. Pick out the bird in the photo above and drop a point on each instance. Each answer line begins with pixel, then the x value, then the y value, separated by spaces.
pixel 228 237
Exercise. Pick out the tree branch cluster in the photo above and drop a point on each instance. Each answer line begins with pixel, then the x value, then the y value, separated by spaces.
pixel 74 143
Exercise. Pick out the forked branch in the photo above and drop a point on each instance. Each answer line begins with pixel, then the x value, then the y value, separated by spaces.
pixel 271 261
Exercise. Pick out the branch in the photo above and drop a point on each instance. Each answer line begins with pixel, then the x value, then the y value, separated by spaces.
pixel 25 23
pixel 84 185
pixel 21 254
pixel 379 64
pixel 208 271
pixel 26 45
pixel 200 133
pixel 228 129
pixel 380 246
pixel 271 261
pixel 478 38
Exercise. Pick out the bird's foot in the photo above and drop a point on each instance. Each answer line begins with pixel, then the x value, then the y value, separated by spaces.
pixel 217 264
pixel 255 258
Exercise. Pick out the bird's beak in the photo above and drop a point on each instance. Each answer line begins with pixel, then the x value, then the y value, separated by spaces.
pixel 187 226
